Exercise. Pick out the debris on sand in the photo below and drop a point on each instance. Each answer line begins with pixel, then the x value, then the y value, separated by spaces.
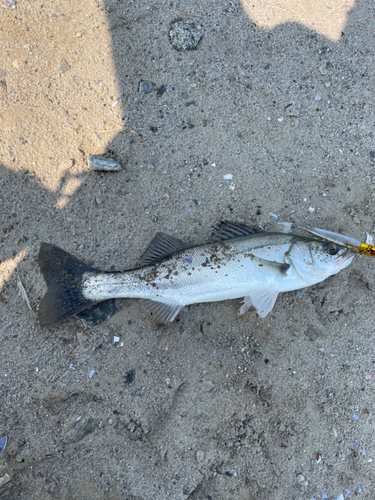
pixel 96 162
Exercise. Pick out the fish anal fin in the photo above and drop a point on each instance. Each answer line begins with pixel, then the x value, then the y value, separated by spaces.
pixel 161 247
pixel 165 313
pixel 246 304
pixel 263 301
pixel 227 230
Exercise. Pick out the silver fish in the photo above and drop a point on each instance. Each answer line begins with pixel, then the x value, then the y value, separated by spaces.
pixel 238 262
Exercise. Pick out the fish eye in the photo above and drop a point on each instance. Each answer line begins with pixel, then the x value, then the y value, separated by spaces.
pixel 331 248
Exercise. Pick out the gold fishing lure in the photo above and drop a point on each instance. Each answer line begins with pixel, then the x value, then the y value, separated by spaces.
pixel 340 239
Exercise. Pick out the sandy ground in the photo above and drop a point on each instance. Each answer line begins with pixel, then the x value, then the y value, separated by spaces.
pixel 279 95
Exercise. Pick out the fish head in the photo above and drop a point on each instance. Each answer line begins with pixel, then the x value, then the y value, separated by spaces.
pixel 316 260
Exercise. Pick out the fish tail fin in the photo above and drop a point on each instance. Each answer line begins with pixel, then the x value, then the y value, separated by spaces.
pixel 63 275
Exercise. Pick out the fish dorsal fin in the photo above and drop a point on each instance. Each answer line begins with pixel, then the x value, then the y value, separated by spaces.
pixel 227 230
pixel 263 301
pixel 165 313
pixel 161 246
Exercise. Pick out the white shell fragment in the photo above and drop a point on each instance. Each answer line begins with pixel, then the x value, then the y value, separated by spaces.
pixel 96 162
pixel 228 177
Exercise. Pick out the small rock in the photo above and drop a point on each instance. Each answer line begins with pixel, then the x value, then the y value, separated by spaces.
pixel 96 162
pixel 3 443
pixel 318 98
pixel 295 333
pixel 327 84
pixel 146 87
pixel 3 86
pixel 300 478
pixel 184 95
pixel 145 228
pixel 153 160
pixel 4 480
pixel 228 177
pixel 89 427
pixel 199 456
pixel 64 65
pixel 323 69
pixel 19 458
pixel 274 216
pixel 185 35
pixel 161 90
pixel 372 154
pixel 280 120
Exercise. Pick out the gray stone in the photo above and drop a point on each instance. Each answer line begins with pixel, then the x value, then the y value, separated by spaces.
pixel 185 35
pixel 96 162
pixel 64 65
pixel 146 87
pixel 90 426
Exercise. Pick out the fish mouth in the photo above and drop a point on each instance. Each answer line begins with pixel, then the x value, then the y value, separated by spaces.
pixel 345 258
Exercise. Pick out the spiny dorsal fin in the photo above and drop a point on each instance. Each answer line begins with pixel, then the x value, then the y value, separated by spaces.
pixel 227 230
pixel 161 247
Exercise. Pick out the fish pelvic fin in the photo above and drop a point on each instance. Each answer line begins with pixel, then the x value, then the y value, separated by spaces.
pixel 263 301
pixel 63 275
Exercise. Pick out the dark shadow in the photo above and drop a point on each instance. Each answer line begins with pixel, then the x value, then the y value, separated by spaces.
pixel 208 113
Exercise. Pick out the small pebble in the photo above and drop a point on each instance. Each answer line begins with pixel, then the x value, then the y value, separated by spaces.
pixel 340 497
pixel 300 477
pixel 3 443
pixel 274 216
pixel 354 417
pixel 146 87
pixel 324 495
pixel 4 480
pixel 92 373
pixel 372 154
pixel 280 120
pixel 153 160
pixel 228 177
pixel 116 339
pixel 348 492
pixel 199 455
pixel 96 162
pixel 318 98
pixel 184 95
pixel 323 69
pixel 145 228
pixel 327 84
pixel 185 35
pixel 358 489
pixel 64 65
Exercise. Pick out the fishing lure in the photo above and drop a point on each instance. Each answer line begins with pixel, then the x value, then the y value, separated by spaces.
pixel 352 243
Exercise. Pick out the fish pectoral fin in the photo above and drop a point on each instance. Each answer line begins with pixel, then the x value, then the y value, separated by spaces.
pixel 271 265
pixel 160 247
pixel 227 230
pixel 246 304
pixel 263 301
pixel 165 313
